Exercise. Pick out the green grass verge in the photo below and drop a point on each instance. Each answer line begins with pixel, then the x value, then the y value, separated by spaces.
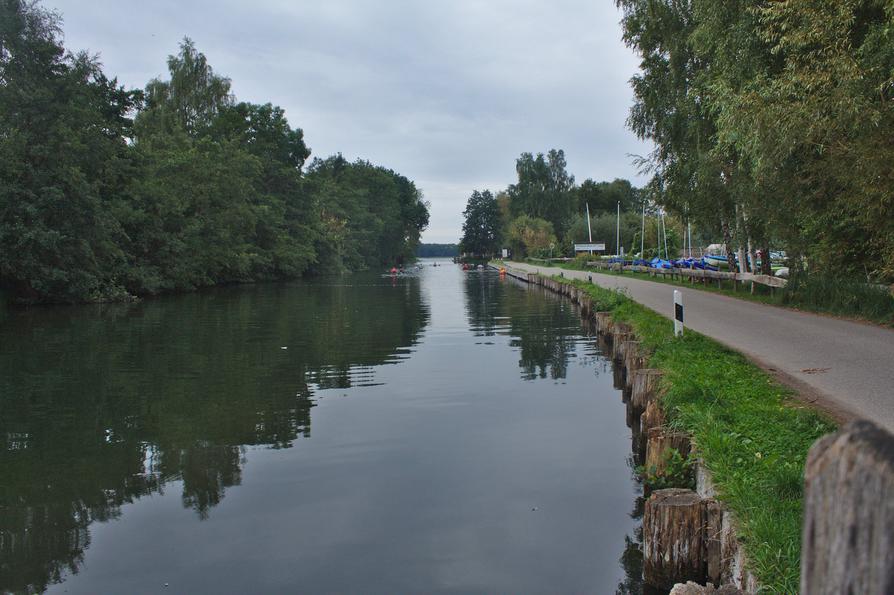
pixel 748 430
pixel 823 295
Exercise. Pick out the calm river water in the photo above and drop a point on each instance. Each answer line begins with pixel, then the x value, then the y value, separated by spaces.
pixel 440 432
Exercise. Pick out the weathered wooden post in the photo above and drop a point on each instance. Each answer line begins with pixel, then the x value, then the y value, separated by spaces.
pixel 603 322
pixel 644 387
pixel 848 535
pixel 623 348
pixel 673 533
pixel 621 332
pixel 640 422
pixel 653 417
pixel 587 306
pixel 659 446
pixel 634 359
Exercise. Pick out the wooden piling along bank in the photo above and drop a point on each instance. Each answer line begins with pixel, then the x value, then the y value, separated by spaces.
pixel 688 535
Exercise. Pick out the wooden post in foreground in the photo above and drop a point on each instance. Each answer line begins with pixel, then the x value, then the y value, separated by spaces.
pixel 848 538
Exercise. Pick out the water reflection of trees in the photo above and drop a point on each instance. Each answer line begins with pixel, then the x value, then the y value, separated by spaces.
pixel 632 557
pixel 100 406
pixel 543 328
pixel 484 297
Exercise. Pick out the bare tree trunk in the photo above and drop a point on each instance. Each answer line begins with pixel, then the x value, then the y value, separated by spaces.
pixel 740 233
pixel 752 257
pixel 728 243
pixel 765 261
pixel 724 224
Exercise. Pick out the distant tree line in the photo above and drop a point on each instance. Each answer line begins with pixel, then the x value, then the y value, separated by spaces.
pixel 107 193
pixel 544 212
pixel 433 250
pixel 772 124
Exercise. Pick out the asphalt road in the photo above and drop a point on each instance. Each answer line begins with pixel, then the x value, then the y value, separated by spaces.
pixel 844 367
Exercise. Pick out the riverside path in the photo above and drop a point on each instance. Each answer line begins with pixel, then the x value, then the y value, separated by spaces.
pixel 844 367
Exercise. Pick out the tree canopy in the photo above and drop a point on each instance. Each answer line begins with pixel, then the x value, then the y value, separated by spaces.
pixel 107 192
pixel 772 123
pixel 482 231
pixel 543 189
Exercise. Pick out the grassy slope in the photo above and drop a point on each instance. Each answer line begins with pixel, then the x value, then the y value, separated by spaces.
pixel 749 432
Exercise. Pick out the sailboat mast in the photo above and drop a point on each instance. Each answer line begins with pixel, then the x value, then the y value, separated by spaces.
pixel 618 233
pixel 664 227
pixel 642 235
pixel 589 229
pixel 689 226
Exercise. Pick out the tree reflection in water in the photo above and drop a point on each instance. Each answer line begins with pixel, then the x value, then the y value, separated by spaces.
pixel 632 558
pixel 102 405
pixel 543 330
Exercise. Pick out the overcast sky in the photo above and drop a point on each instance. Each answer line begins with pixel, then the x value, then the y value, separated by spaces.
pixel 445 92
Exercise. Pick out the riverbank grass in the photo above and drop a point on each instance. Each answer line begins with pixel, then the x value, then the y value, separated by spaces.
pixel 750 432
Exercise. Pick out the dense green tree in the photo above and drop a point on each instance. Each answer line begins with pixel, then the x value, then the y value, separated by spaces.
pixel 196 190
pixel 819 126
pixel 531 236
pixel 482 227
pixel 543 189
pixel 218 195
pixel 687 176
pixel 546 191
pixel 64 126
pixel 286 222
pixel 604 197
pixel 436 250
pixel 192 98
pixel 772 123
pixel 370 215
pixel 191 220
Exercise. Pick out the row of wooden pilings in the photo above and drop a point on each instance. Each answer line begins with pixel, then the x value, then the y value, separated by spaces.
pixel 847 541
pixel 688 535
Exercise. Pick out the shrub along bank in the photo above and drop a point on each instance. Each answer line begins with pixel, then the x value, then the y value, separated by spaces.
pixel 749 431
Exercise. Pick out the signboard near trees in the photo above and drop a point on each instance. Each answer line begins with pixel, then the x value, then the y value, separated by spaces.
pixel 590 248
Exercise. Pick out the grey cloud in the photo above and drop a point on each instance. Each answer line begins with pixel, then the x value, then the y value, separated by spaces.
pixel 448 93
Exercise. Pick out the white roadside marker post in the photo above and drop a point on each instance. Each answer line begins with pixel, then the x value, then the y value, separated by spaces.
pixel 678 313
